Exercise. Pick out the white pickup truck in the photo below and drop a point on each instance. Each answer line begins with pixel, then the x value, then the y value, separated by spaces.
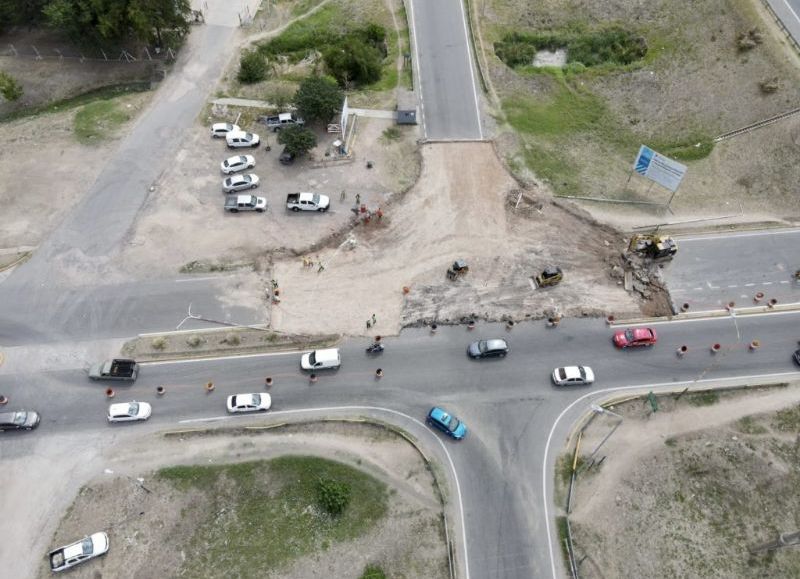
pixel 78 552
pixel 307 202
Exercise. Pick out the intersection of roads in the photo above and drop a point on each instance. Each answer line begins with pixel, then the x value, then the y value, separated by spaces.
pixel 517 418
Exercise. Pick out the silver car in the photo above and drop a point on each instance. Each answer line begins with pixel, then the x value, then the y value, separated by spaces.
pixel 249 403
pixel 573 376
pixel 236 183
pixel 219 130
pixel 237 163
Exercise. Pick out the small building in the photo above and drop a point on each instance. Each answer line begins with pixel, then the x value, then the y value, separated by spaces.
pixel 406 107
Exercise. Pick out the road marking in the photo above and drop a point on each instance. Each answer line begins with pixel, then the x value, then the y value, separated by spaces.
pixel 472 63
pixel 767 283
pixel 545 476
pixel 749 285
pixel 710 286
pixel 784 281
pixel 796 17
pixel 733 286
pixel 753 234
pixel 407 417
pixel 699 289
pixel 415 66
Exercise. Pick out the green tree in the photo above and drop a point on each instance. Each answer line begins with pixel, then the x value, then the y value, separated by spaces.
pixel 252 67
pixel 21 12
pixel 373 572
pixel 10 89
pixel 298 140
pixel 333 495
pixel 150 18
pixel 353 61
pixel 318 98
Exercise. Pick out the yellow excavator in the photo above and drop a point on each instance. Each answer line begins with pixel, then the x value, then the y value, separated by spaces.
pixel 653 245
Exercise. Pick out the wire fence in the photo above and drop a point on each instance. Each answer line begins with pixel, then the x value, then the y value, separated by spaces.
pixel 73 54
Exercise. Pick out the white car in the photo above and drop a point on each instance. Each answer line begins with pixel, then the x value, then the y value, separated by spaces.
pixel 573 376
pixel 236 183
pixel 129 411
pixel 249 403
pixel 237 163
pixel 238 139
pixel 219 130
pixel 78 552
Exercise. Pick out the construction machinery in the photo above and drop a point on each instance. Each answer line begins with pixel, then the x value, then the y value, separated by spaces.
pixel 551 275
pixel 458 269
pixel 654 246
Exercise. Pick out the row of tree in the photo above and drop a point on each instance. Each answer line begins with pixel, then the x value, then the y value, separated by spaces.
pixel 318 99
pixel 102 22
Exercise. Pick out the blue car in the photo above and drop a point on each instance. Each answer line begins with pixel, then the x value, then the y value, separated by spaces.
pixel 447 423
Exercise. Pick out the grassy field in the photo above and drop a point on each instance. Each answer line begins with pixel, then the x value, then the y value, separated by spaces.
pixel 265 513
pixel 579 126
pixel 99 120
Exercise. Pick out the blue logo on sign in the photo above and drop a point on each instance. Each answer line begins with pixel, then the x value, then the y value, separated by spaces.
pixel 643 160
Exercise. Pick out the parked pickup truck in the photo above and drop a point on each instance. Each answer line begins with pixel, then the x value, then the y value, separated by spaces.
pixel 307 202
pixel 115 369
pixel 236 203
pixel 78 552
pixel 282 120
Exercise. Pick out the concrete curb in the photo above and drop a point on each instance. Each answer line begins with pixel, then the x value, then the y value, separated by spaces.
pixel 710 314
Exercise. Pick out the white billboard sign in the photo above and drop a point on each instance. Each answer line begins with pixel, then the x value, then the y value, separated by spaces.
pixel 661 169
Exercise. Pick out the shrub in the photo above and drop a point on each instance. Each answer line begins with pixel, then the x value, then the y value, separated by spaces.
pixel 159 343
pixel 194 341
pixel 10 89
pixel 770 85
pixel 333 495
pixel 232 339
pixel 373 572
pixel 353 62
pixel 252 67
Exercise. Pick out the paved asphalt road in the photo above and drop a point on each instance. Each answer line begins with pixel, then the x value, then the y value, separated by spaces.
pixel 710 271
pixel 44 299
pixel 444 63
pixel 508 404
pixel 788 11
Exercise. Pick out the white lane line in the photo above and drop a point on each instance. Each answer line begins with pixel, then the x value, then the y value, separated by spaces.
pixel 749 285
pixel 767 283
pixel 733 285
pixel 796 17
pixel 472 63
pixel 698 289
pixel 711 286
pixel 784 281
pixel 751 234
pixel 545 474
pixel 415 66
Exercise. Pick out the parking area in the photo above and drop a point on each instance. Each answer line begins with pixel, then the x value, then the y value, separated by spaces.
pixel 185 212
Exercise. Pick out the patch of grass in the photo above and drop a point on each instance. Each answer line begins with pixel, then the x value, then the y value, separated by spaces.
pixel 787 420
pixel 748 425
pixel 302 6
pixel 98 120
pixel 691 148
pixel 373 572
pixel 323 28
pixel 566 112
pixel 264 514
pixel 103 93
pixel 553 165
pixel 706 398
pixel 671 442
pixel 391 134
pixel 563 535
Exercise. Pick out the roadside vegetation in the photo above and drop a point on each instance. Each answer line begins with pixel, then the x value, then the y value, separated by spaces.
pixel 274 511
pixel 99 120
pixel 353 42
pixel 583 89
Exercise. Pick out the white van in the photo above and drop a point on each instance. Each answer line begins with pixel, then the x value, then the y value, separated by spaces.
pixel 321 359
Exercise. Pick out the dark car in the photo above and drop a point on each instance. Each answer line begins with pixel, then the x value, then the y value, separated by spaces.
pixel 796 357
pixel 447 423
pixel 19 420
pixel 287 157
pixel 496 347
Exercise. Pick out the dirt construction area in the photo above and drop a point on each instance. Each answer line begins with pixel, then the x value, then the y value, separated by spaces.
pixel 689 490
pixel 160 529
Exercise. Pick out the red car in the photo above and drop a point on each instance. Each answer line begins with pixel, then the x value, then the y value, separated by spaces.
pixel 633 337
